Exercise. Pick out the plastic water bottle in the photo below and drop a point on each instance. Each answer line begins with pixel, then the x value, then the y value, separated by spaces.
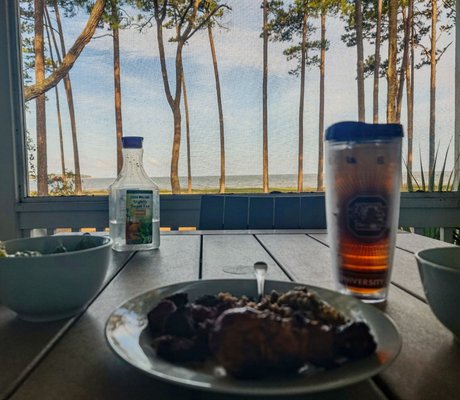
pixel 134 203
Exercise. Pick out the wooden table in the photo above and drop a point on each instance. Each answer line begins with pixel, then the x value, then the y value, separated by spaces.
pixel 70 359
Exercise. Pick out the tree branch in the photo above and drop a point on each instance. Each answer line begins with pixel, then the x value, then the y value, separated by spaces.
pixel 155 7
pixel 184 15
pixel 164 9
pixel 146 23
pixel 53 36
pixel 33 91
pixel 206 20
pixel 189 28
pixel 443 51
pixel 48 25
pixel 425 50
pixel 101 36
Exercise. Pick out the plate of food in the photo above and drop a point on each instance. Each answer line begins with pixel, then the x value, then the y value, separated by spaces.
pixel 218 335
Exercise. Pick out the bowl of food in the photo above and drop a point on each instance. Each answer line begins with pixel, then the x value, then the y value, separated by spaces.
pixel 440 272
pixel 54 277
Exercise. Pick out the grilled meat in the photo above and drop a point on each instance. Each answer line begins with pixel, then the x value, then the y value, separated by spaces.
pixel 251 344
pixel 279 334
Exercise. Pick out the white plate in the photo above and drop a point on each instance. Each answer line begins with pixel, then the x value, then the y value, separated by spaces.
pixel 126 334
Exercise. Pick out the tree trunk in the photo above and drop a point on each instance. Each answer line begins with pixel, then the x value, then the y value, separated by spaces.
pixel 56 91
pixel 175 183
pixel 392 54
pixel 117 83
pixel 32 91
pixel 39 48
pixel 187 137
pixel 265 97
pixel 174 103
pixel 360 60
pixel 164 69
pixel 378 35
pixel 433 61
pixel 404 63
pixel 61 136
pixel 322 64
pixel 160 14
pixel 73 126
pixel 72 117
pixel 221 113
pixel 302 101
pixel 410 96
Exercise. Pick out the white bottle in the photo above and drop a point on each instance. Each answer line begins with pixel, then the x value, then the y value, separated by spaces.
pixel 134 203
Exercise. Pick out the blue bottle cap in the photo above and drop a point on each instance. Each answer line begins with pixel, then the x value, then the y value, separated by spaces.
pixel 132 142
pixel 357 131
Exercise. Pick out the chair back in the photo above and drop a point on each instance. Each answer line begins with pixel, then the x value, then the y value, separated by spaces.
pixel 271 211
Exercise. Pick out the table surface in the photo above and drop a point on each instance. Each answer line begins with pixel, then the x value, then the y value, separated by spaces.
pixel 71 359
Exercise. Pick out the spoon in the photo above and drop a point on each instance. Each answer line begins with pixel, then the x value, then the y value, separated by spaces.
pixel 260 269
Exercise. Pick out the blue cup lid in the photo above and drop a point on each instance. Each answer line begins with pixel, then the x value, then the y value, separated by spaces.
pixel 356 131
pixel 132 142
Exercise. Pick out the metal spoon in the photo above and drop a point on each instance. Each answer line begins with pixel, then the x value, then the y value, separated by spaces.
pixel 260 269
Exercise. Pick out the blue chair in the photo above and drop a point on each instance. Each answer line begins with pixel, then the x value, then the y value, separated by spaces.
pixel 211 212
pixel 236 210
pixel 271 211
pixel 287 212
pixel 313 211
pixel 261 212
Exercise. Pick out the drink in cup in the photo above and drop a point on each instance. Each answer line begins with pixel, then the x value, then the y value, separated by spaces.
pixel 363 177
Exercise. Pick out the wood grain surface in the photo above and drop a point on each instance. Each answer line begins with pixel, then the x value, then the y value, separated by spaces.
pixel 80 365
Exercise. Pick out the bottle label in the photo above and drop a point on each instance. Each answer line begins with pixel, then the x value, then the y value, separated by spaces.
pixel 139 214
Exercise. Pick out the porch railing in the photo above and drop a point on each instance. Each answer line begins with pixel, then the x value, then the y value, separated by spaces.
pixel 418 212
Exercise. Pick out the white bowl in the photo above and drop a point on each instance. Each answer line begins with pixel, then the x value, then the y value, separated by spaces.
pixel 440 272
pixel 53 286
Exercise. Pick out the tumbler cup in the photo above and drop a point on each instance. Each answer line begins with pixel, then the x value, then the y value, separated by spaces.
pixel 363 178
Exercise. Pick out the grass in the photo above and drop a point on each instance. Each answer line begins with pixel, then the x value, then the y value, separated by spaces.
pixel 429 185
pixel 249 190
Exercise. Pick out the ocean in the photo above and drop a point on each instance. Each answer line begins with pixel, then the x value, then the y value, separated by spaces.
pixel 206 182
pixel 285 181
pixel 212 182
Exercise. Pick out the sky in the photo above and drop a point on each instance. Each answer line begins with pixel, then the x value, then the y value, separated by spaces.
pixel 239 56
